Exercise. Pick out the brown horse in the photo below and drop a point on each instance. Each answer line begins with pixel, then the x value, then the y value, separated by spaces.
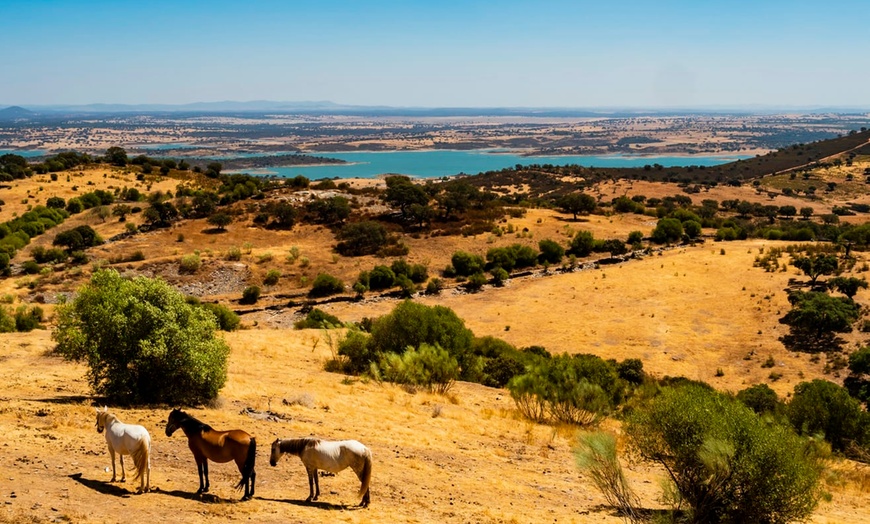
pixel 218 446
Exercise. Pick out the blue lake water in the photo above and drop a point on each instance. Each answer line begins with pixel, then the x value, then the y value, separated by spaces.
pixel 23 152
pixel 433 164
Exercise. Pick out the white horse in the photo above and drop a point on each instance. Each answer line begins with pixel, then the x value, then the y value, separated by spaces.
pixel 127 439
pixel 329 456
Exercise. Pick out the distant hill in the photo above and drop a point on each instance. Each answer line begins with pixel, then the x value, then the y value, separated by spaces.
pixel 15 113
pixel 792 158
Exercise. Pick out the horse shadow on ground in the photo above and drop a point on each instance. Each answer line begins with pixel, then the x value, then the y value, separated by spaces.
pixel 206 498
pixel 314 504
pixel 106 488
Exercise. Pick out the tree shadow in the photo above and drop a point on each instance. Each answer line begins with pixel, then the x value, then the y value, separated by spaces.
pixel 213 231
pixel 315 504
pixel 571 219
pixel 107 488
pixel 72 399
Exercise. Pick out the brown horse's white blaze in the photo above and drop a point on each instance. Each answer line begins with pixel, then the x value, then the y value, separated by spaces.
pixel 207 444
pixel 127 439
pixel 329 456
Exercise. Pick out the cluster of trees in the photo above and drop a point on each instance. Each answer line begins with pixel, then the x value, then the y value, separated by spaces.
pixel 399 274
pixel 23 319
pixel 16 233
pixel 13 167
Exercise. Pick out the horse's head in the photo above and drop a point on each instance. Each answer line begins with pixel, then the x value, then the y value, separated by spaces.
pixel 101 418
pixel 276 452
pixel 174 421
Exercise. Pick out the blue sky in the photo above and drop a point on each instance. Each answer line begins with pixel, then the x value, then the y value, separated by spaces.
pixel 700 53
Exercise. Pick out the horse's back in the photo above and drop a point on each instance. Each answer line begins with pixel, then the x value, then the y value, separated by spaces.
pixel 334 456
pixel 126 438
pixel 355 446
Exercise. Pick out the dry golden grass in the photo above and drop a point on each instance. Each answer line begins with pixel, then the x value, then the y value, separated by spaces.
pixel 466 457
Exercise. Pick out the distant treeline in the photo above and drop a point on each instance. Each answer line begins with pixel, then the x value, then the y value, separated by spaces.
pixel 811 155
pixel 278 161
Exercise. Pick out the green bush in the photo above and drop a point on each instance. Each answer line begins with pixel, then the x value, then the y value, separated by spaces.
pixel 271 277
pixel 551 251
pixel 406 287
pixel 475 282
pixel 317 319
pixel 499 276
pixel 7 321
pixel 381 277
pixel 357 351
pixel 822 407
pixel 578 389
pixel 761 399
pixel 582 244
pixel 725 462
pixel 142 341
pixel 667 230
pixel 189 264
pixel 427 366
pixel 325 285
pixel 433 287
pixel 466 264
pixel 250 295
pixel 362 238
pixel 28 319
pixel 227 319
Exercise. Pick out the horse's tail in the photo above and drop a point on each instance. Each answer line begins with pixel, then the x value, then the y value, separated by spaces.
pixel 366 474
pixel 141 457
pixel 248 468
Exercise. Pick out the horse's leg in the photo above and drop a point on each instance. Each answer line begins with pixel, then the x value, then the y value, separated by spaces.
pixel 252 479
pixel 123 472
pixel 205 473
pixel 199 471
pixel 316 486
pixel 112 454
pixel 311 477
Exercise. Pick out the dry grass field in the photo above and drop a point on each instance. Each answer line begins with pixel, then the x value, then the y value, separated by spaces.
pixel 464 457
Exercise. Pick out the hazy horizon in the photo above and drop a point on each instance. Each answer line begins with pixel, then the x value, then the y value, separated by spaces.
pixel 559 54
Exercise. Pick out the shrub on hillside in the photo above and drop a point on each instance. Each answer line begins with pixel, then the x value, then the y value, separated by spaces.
pixel 142 341
pixel 250 295
pixel 317 319
pixel 227 319
pixel 428 366
pixel 822 407
pixel 325 285
pixel 720 456
pixel 466 264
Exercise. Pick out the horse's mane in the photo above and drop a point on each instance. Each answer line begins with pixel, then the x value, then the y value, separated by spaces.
pixel 295 446
pixel 189 423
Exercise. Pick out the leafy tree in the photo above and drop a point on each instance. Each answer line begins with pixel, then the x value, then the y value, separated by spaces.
pixel 692 228
pixel 403 193
pixel 823 407
pixel 667 230
pixel 815 318
pixel 761 399
pixel 635 237
pixel 410 325
pixel 429 366
pixel 615 247
pixel 329 210
pixel 56 203
pixel 250 295
pixel 317 319
pixel 116 156
pixel 361 238
pixel 142 341
pixel 577 203
pixel 582 243
pixel 816 265
pixel 325 285
pixel 807 212
pixel 467 264
pixel 858 381
pixel 121 211
pixel 160 214
pixel 787 211
pixel 720 455
pixel 213 169
pixel 220 220
pixel 551 251
pixel 848 286
pixel 381 277
pixel 457 197
pixel 78 238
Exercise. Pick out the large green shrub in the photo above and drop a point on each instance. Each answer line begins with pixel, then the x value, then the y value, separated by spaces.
pixel 573 389
pixel 725 462
pixel 466 264
pixel 325 285
pixel 142 341
pixel 822 407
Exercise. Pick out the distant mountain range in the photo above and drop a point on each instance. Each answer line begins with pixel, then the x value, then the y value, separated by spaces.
pixel 326 107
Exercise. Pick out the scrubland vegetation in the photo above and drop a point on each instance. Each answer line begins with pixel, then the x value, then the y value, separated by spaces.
pixel 146 343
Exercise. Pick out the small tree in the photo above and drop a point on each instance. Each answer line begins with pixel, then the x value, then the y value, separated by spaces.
pixel 551 251
pixel 595 454
pixel 220 220
pixel 582 243
pixel 577 203
pixel 325 285
pixel 814 320
pixel 142 341
pixel 823 407
pixel 848 286
pixel 667 230
pixel 816 266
